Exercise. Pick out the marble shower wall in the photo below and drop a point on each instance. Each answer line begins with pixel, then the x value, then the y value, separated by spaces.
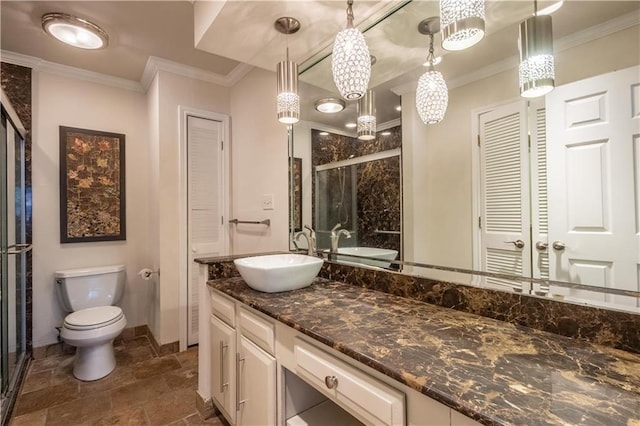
pixel 377 186
pixel 16 83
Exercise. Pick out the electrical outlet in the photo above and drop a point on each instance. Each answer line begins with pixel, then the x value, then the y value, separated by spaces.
pixel 267 202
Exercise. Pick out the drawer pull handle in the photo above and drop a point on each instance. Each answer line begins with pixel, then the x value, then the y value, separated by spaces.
pixel 221 369
pixel 238 382
pixel 331 382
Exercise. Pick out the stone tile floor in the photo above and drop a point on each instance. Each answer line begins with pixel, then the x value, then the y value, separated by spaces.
pixel 144 389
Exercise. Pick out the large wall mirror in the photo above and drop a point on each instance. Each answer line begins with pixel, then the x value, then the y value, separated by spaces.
pixel 546 189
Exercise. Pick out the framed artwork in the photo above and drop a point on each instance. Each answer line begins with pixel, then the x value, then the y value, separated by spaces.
pixel 297 194
pixel 92 186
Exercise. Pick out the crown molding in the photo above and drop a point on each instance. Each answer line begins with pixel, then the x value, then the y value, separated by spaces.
pixel 156 64
pixel 40 65
pixel 580 37
pixel 389 124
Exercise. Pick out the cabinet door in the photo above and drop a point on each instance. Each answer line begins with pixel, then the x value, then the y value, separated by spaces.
pixel 223 368
pixel 256 385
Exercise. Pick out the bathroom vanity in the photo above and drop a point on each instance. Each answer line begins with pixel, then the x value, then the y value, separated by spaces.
pixel 381 359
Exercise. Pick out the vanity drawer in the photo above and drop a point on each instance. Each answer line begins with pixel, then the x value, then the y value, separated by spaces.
pixel 373 401
pixel 257 329
pixel 223 307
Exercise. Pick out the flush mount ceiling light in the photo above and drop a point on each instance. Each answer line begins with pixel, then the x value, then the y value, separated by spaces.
pixel 462 23
pixel 366 121
pixel 537 70
pixel 350 60
pixel 432 95
pixel 330 105
pixel 74 31
pixel 288 99
pixel 550 9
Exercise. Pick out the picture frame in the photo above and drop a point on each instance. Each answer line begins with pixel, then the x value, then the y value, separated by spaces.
pixel 296 180
pixel 92 185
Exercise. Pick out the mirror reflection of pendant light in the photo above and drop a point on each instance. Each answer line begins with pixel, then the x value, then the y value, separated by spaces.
pixel 462 23
pixel 350 63
pixel 367 116
pixel 432 95
pixel 288 99
pixel 537 70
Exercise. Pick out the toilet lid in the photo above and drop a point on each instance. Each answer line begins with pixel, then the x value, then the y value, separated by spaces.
pixel 90 318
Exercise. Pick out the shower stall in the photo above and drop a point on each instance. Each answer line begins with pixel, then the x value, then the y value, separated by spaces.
pixel 364 195
pixel 13 257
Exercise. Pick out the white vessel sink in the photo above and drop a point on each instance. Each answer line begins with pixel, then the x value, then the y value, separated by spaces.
pixel 278 272
pixel 371 252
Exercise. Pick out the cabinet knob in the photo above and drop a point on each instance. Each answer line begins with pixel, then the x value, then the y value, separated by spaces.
pixel 331 382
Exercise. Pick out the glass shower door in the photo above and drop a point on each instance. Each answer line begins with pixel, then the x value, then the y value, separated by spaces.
pixel 13 257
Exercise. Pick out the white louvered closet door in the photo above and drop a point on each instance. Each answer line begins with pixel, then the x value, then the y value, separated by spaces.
pixel 205 204
pixel 539 211
pixel 505 199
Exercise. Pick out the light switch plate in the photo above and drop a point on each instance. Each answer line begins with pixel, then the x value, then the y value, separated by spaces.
pixel 267 202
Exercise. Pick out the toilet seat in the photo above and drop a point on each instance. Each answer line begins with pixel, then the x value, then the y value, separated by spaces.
pixel 92 318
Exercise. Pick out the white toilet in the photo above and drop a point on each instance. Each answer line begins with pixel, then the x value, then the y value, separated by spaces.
pixel 90 295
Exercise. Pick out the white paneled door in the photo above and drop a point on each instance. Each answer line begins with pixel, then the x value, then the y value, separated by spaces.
pixel 593 156
pixel 205 204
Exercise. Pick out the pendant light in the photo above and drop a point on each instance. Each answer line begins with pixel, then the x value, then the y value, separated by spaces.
pixel 288 99
pixel 537 70
pixel 462 23
pixel 366 121
pixel 432 95
pixel 350 62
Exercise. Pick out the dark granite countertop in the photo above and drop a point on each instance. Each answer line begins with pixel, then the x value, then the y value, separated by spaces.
pixel 492 371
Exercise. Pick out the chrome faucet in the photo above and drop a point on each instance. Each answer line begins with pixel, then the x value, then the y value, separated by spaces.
pixel 335 236
pixel 311 239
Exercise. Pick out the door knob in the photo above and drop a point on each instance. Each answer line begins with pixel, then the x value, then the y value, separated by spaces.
pixel 558 245
pixel 518 243
pixel 541 246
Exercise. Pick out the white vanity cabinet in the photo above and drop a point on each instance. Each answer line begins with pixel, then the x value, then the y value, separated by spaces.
pixel 252 355
pixel 243 373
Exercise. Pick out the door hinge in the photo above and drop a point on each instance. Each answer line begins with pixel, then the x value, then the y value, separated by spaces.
pixel 221 220
pixel 221 145
pixel 480 222
pixel 478 140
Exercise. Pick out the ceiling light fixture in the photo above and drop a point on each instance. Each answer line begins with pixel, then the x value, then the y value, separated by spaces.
pixel 462 23
pixel 432 95
pixel 537 69
pixel 550 9
pixel 74 31
pixel 350 60
pixel 329 105
pixel 366 121
pixel 350 125
pixel 288 99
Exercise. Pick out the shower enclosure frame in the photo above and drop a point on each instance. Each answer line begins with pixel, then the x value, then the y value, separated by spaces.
pixel 14 345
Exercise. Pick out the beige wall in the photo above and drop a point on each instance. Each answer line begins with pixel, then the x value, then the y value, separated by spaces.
pixel 167 93
pixel 437 159
pixel 259 155
pixel 61 101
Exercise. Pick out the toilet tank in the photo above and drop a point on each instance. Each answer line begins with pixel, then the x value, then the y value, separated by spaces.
pixel 89 287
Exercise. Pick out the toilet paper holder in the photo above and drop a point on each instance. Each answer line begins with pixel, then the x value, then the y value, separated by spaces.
pixel 146 273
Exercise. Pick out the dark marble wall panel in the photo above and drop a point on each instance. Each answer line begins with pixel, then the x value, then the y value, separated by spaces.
pixel 16 83
pixel 377 186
